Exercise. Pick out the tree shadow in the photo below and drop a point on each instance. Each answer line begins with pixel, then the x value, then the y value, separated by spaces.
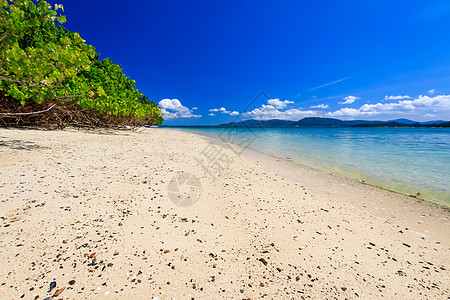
pixel 20 145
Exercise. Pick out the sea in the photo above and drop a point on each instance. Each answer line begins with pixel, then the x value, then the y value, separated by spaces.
pixel 411 161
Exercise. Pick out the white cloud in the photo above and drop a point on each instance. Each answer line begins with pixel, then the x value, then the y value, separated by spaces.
pixel 222 110
pixel 290 114
pixel 320 106
pixel 173 104
pixel 194 108
pixel 349 99
pixel 420 105
pixel 278 104
pixel 297 114
pixel 172 109
pixel 267 112
pixel 396 97
pixel 268 107
pixel 273 110
pixel 168 115
pixel 436 103
pixel 211 114
pixel 349 112
pixel 432 91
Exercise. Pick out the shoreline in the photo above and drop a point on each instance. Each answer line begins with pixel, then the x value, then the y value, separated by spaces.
pixel 354 175
pixel 95 213
pixel 293 171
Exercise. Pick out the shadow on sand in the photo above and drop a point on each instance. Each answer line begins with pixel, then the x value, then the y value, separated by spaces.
pixel 20 145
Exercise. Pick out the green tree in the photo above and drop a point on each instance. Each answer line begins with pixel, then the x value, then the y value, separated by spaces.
pixel 42 61
pixel 112 93
pixel 37 56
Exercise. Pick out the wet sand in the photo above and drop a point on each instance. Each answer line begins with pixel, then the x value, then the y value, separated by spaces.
pixel 97 215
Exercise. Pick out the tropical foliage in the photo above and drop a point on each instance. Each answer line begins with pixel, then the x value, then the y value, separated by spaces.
pixel 45 63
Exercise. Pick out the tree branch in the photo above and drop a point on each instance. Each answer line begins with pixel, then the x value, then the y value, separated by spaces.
pixel 5 36
pixel 29 113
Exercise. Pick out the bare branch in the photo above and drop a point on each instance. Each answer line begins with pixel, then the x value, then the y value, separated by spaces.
pixel 5 36
pixel 28 113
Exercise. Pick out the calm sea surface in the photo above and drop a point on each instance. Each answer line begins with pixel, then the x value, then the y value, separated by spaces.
pixel 408 160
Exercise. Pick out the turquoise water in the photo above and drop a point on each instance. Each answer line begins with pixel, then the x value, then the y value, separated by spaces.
pixel 407 160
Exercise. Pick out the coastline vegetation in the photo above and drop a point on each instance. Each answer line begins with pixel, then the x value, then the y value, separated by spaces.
pixel 51 78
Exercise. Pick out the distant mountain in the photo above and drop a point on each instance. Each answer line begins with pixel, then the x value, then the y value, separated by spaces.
pixel 403 121
pixel 321 122
pixel 330 122
pixel 306 122
pixel 260 123
pixel 410 122
pixel 434 122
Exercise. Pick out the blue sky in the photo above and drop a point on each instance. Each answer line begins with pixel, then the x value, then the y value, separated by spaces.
pixel 205 61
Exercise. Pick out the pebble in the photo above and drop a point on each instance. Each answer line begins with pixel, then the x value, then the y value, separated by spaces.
pixel 52 286
pixel 260 247
pixel 58 292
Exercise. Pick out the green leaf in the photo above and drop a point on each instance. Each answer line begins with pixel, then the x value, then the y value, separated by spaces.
pixel 61 19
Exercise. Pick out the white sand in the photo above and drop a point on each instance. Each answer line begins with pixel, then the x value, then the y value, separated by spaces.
pixel 260 228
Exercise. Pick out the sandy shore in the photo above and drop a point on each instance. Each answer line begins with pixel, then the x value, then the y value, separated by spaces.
pixel 99 215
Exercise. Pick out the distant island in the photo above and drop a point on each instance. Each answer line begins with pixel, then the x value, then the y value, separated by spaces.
pixel 325 122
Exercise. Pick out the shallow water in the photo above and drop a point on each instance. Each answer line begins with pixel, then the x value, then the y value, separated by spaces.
pixel 407 160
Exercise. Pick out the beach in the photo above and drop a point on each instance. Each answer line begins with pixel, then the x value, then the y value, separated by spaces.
pixel 164 214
